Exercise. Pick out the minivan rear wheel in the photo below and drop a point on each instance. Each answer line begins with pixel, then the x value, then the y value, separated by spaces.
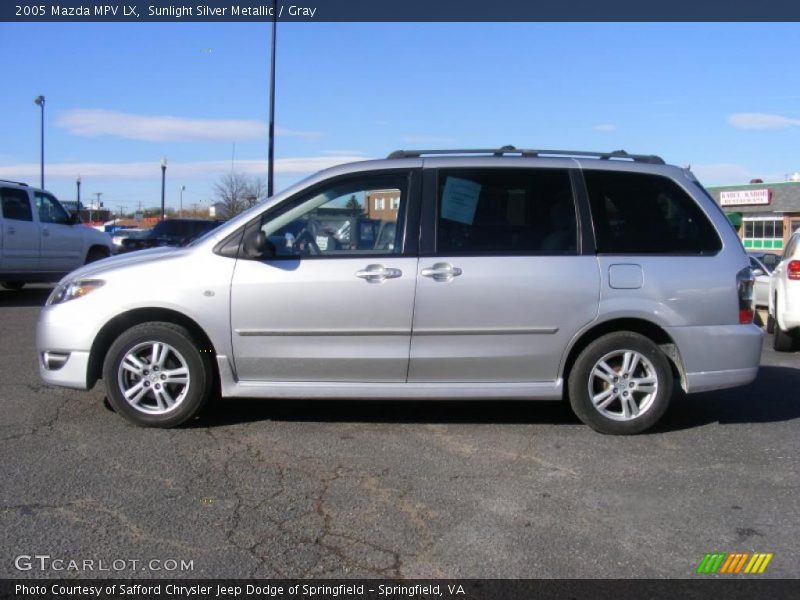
pixel 155 375
pixel 620 384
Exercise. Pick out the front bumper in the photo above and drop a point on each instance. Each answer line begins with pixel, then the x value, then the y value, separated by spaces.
pixel 718 356
pixel 73 373
pixel 63 332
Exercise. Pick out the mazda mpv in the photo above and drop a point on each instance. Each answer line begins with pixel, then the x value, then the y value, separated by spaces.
pixel 605 279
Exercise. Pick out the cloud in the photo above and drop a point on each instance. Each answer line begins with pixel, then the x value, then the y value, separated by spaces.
pixel 605 127
pixel 716 174
pixel 339 152
pixel 148 170
pixel 762 121
pixel 96 122
pixel 425 139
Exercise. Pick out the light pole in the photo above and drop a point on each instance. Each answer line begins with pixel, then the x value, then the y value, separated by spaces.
pixel 78 185
pixel 98 205
pixel 40 101
pixel 163 181
pixel 180 210
pixel 271 155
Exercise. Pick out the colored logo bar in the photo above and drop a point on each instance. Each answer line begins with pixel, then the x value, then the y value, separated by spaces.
pixel 731 563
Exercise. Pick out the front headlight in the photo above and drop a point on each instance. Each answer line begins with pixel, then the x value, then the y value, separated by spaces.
pixel 73 289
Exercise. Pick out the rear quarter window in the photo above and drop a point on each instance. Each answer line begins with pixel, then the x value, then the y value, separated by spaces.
pixel 638 213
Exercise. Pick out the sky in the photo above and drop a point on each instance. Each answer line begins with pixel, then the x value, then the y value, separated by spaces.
pixel 723 98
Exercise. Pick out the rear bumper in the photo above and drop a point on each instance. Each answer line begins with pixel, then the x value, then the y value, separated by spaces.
pixel 719 356
pixel 718 380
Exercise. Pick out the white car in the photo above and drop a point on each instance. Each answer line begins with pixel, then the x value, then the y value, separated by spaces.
pixel 762 273
pixel 784 297
pixel 40 240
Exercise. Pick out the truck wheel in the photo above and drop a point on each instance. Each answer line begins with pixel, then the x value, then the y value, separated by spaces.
pixel 96 254
pixel 155 375
pixel 620 384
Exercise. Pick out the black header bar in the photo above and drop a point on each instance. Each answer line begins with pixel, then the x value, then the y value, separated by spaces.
pixel 131 11
pixel 700 588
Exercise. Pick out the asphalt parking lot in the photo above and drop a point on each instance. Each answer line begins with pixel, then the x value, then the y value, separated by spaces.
pixel 392 489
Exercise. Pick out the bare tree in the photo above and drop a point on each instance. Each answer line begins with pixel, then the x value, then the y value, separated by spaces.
pixel 256 191
pixel 238 192
pixel 232 191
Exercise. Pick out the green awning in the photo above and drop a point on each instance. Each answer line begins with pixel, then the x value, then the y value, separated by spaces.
pixel 735 219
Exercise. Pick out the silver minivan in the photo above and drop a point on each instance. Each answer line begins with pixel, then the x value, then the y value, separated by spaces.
pixel 603 278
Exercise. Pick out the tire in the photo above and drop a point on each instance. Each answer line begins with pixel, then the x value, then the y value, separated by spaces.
pixel 14 286
pixel 770 323
pixel 177 352
pixel 615 414
pixel 96 254
pixel 782 341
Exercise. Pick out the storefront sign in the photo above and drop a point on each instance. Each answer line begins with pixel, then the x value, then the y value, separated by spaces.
pixel 744 197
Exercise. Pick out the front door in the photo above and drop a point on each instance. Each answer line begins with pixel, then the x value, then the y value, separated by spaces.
pixel 62 243
pixel 20 232
pixel 334 302
pixel 505 288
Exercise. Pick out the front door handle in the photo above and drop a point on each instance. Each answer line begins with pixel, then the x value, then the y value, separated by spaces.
pixel 378 273
pixel 441 272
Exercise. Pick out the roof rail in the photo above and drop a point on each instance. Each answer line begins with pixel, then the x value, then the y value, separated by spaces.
pixel 14 182
pixel 507 150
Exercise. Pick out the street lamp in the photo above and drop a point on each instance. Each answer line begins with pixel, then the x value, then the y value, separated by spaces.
pixel 163 180
pixel 40 101
pixel 180 210
pixel 78 185
pixel 271 151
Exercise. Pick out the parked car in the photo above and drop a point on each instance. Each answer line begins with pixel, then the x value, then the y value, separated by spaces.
pixel 510 274
pixel 784 298
pixel 170 232
pixel 123 234
pixel 761 273
pixel 39 240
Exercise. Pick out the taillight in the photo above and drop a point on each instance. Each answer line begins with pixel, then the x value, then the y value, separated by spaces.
pixel 744 287
pixel 793 269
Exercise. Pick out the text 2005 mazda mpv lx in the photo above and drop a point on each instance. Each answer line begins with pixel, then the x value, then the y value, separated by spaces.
pixel 478 274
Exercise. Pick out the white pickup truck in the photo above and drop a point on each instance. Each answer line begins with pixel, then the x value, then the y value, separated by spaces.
pixel 39 240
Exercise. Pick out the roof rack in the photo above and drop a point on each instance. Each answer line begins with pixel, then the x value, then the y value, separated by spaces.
pixel 14 182
pixel 506 150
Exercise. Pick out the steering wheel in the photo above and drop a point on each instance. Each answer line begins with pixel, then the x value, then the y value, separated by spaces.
pixel 306 242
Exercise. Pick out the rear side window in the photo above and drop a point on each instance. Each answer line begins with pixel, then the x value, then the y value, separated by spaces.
pixel 636 213
pixel 506 212
pixel 15 204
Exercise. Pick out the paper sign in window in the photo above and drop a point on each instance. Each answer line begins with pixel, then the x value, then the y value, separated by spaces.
pixel 460 199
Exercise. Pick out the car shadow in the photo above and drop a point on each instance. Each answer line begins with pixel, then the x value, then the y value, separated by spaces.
pixel 35 295
pixel 764 401
pixel 769 399
pixel 231 411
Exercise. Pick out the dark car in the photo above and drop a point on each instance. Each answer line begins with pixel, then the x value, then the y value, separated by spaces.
pixel 170 232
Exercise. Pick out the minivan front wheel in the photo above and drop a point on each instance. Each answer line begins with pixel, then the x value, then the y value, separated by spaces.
pixel 620 384
pixel 155 376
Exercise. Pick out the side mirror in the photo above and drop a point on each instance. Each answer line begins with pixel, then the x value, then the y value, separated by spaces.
pixel 74 218
pixel 758 272
pixel 256 246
